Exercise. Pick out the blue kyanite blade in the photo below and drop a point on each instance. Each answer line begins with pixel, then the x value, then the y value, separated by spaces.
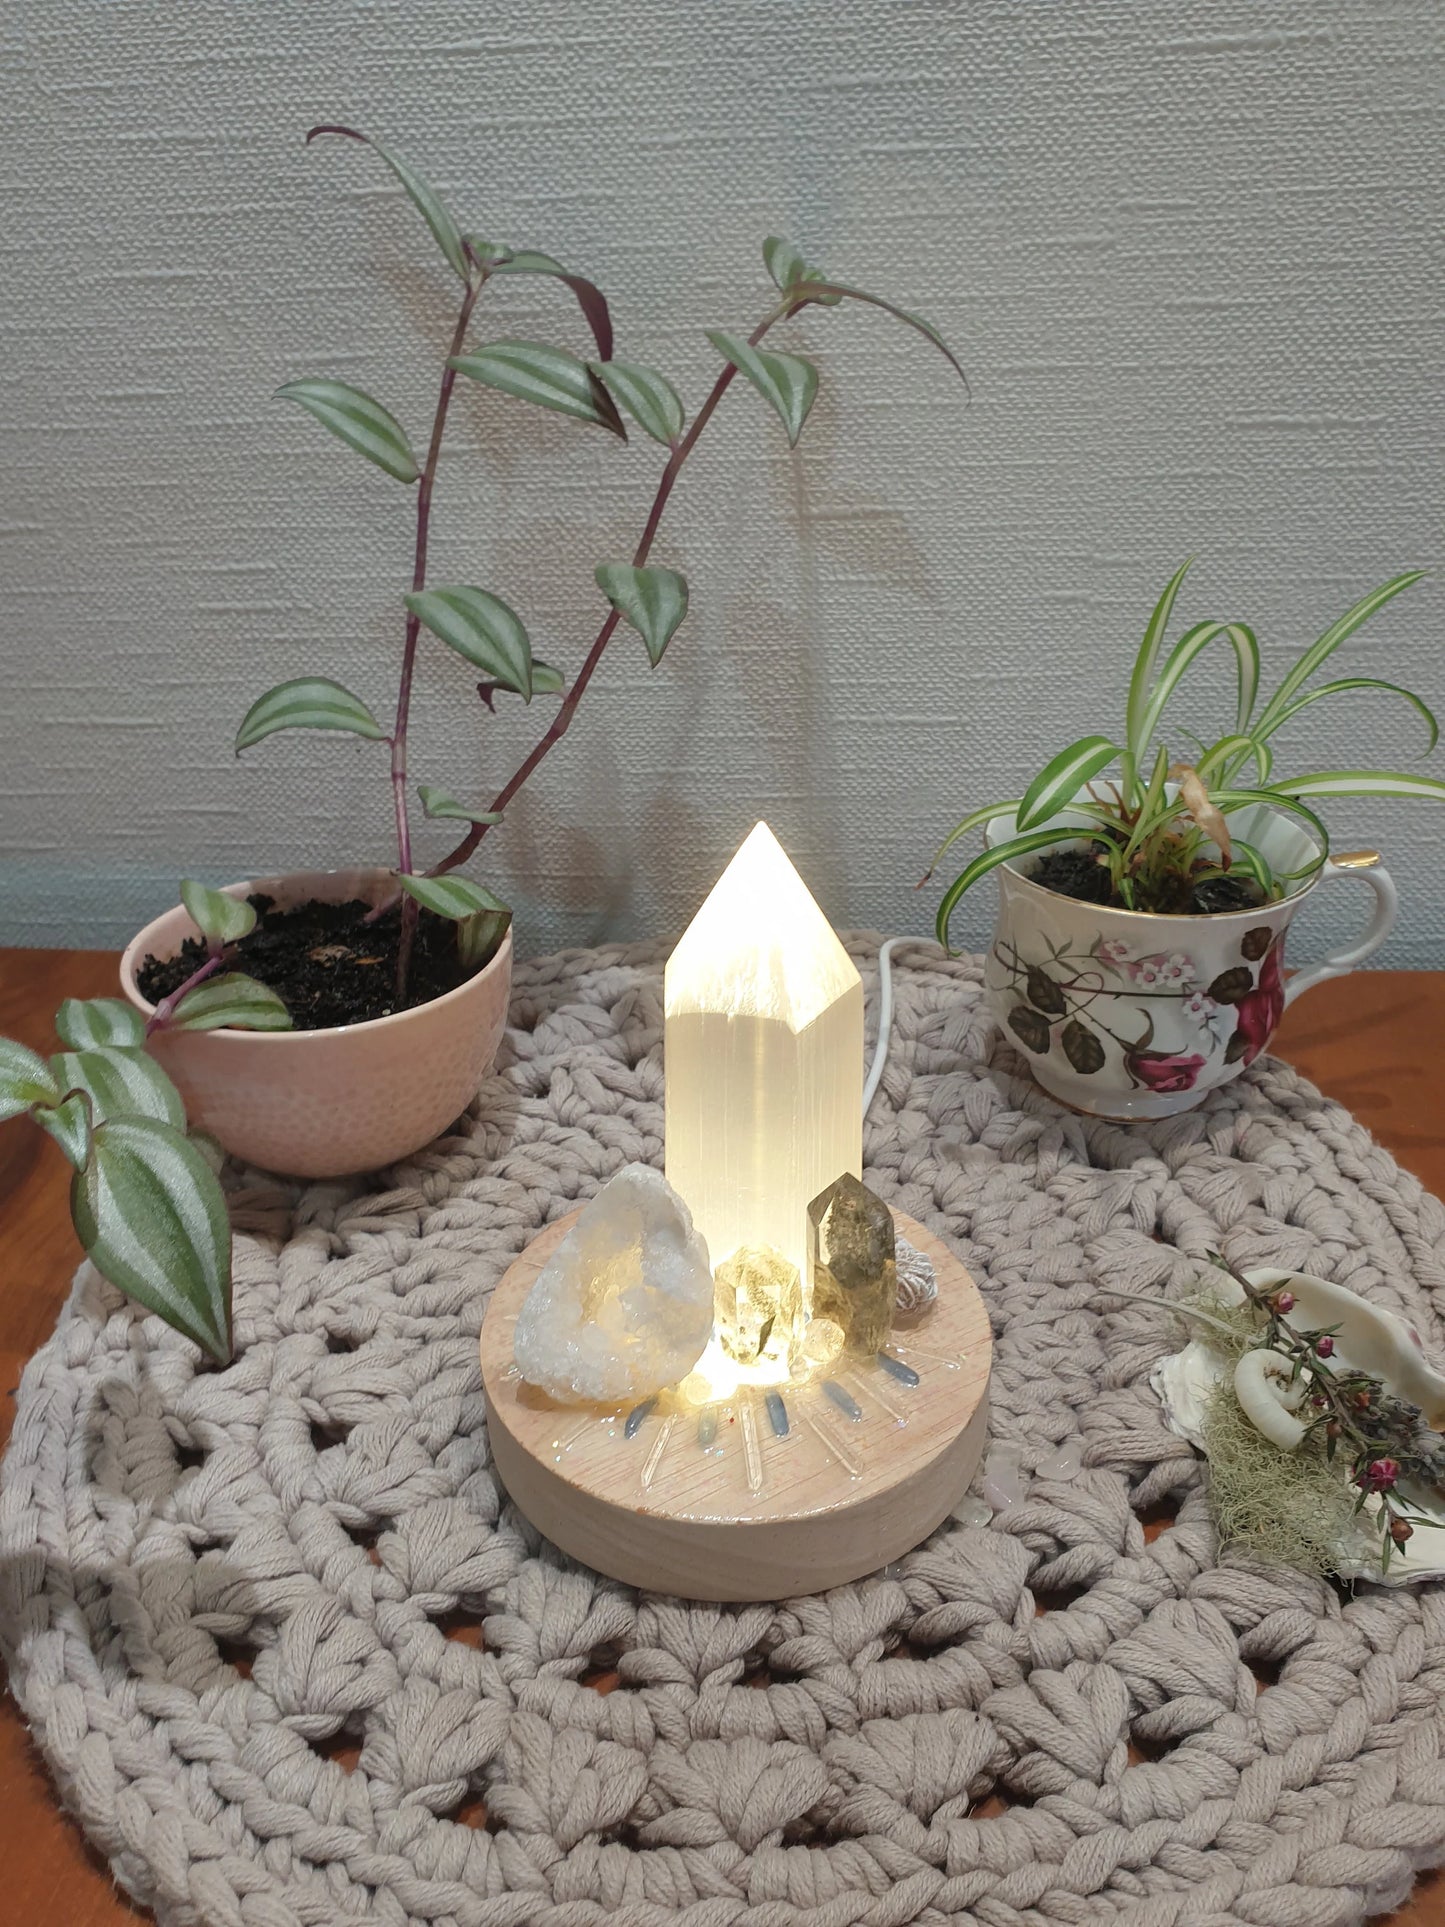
pixel 637 1417
pixel 777 1414
pixel 845 1401
pixel 905 1374
pixel 707 1425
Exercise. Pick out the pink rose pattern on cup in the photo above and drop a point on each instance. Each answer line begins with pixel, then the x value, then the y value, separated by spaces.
pixel 1059 1004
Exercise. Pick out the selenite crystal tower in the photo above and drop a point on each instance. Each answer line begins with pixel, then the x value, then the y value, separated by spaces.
pixel 764 1062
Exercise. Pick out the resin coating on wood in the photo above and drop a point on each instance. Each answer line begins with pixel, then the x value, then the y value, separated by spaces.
pixel 764 1496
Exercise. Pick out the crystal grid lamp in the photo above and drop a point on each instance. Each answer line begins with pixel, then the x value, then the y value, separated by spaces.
pixel 812 1441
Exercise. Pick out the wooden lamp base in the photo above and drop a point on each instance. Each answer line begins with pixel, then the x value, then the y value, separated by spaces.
pixel 751 1498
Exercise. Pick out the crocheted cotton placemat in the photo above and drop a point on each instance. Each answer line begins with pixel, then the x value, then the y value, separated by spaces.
pixel 294 1659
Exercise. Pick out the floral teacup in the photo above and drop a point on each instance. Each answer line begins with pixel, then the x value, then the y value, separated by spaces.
pixel 1126 1014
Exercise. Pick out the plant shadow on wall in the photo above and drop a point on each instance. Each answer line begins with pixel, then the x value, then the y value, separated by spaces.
pixel 146 1196
pixel 1138 956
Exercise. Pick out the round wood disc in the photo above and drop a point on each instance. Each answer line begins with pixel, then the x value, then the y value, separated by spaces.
pixel 752 1511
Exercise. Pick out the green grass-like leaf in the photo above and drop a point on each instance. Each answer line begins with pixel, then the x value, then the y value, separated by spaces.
pixel 990 859
pixel 1061 779
pixel 1338 632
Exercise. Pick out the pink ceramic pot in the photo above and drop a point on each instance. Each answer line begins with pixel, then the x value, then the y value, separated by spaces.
pixel 327 1103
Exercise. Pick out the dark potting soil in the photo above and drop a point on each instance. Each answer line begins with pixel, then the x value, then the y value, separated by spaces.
pixel 325 963
pixel 1076 873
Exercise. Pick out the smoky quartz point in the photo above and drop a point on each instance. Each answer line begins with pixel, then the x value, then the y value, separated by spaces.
pixel 852 1253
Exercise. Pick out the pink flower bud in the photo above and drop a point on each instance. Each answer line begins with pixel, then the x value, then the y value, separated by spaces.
pixel 1283 1302
pixel 1325 1347
pixel 1379 1475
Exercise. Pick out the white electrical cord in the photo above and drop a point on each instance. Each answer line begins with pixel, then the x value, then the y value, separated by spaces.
pixel 885 1022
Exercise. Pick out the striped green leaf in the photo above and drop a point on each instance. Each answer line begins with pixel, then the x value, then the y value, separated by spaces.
pixel 1141 682
pixel 25 1079
pixel 1346 683
pixel 990 859
pixel 437 803
pixel 422 196
pixel 788 268
pixel 546 681
pixel 1190 645
pixel 483 629
pixel 310 702
pixel 1359 782
pixel 69 1123
pixel 120 1083
pixel 1338 632
pixel 152 1219
pixel 653 600
pixel 590 298
pixel 786 381
pixel 1059 781
pixel 357 420
pixel 82 1022
pixel 450 896
pixel 783 262
pixel 818 288
pixel 974 820
pixel 219 918
pixel 650 398
pixel 479 937
pixel 548 377
pixel 231 1001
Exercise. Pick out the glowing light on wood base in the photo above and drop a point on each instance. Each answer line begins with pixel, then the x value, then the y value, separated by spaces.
pixel 764 1059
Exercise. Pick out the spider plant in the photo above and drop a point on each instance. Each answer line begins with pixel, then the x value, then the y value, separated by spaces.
pixel 1159 825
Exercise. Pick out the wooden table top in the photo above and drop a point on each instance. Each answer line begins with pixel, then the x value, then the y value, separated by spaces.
pixel 1375 1041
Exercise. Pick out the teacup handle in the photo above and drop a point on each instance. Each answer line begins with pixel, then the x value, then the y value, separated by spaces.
pixel 1366 865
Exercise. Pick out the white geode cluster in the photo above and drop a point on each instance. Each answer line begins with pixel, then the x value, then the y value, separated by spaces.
pixel 624 1305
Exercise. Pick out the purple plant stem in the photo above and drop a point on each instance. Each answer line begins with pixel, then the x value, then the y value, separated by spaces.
pixel 413 631
pixel 165 1010
pixel 561 722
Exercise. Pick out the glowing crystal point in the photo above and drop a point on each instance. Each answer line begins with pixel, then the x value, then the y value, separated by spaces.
pixel 764 1059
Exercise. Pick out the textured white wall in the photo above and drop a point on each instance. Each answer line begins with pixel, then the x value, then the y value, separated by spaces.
pixel 1191 254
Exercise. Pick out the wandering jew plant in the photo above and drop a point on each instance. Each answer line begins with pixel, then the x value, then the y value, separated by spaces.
pixel 1158 826
pixel 145 1199
pixel 599 390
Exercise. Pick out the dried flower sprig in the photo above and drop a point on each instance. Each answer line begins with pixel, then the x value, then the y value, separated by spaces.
pixel 1383 1438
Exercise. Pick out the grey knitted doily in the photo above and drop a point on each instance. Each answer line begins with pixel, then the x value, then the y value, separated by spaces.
pixel 293 1658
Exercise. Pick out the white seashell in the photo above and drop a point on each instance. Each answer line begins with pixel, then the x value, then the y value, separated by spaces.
pixel 917 1279
pixel 1267 1398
